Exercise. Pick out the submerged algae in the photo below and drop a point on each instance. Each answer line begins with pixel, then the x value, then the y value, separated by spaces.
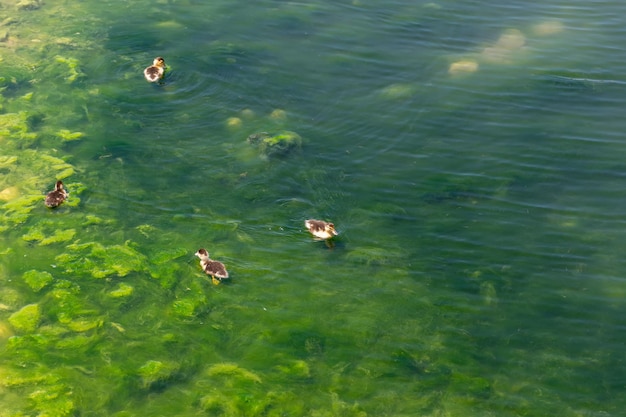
pixel 232 370
pixel 101 261
pixel 280 144
pixel 37 280
pixel 26 319
pixel 155 372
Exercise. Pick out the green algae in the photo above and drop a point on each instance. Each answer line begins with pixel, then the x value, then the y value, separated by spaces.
pixel 37 280
pixel 166 273
pixel 40 233
pixel 297 369
pixel 232 370
pixel 26 319
pixel 191 302
pixel 123 290
pixel 68 136
pixel 10 298
pixel 73 68
pixel 101 261
pixel 55 400
pixel 277 145
pixel 83 324
pixel 155 372
pixel 167 255
pixel 404 385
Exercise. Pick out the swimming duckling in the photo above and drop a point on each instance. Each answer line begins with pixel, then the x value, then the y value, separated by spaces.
pixel 214 268
pixel 155 71
pixel 321 229
pixel 56 196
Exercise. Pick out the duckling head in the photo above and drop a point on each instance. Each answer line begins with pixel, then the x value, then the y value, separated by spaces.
pixel 159 62
pixel 202 254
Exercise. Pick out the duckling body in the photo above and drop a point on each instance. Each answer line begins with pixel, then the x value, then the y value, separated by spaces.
pixel 215 269
pixel 155 72
pixel 320 229
pixel 56 196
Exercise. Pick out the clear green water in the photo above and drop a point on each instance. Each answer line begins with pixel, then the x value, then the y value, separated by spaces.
pixel 479 268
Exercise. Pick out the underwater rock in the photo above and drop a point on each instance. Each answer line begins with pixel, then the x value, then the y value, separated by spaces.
pixel 277 145
pixel 511 39
pixel 9 193
pixel 547 28
pixel 397 91
pixel 278 114
pixel 463 67
pixel 10 299
pixel 501 52
pixel 489 293
pixel 26 319
pixel 234 122
pixel 5 331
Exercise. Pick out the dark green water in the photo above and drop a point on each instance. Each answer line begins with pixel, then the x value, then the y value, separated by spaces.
pixel 470 155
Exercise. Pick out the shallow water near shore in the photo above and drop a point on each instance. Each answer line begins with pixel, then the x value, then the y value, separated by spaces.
pixel 469 155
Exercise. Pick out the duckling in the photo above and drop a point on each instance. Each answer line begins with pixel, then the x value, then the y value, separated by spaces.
pixel 216 269
pixel 155 71
pixel 320 229
pixel 56 196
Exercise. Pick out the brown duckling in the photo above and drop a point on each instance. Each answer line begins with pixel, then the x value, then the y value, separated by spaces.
pixel 320 229
pixel 56 196
pixel 155 72
pixel 216 269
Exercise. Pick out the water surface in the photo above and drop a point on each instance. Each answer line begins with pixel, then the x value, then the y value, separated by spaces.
pixel 469 155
